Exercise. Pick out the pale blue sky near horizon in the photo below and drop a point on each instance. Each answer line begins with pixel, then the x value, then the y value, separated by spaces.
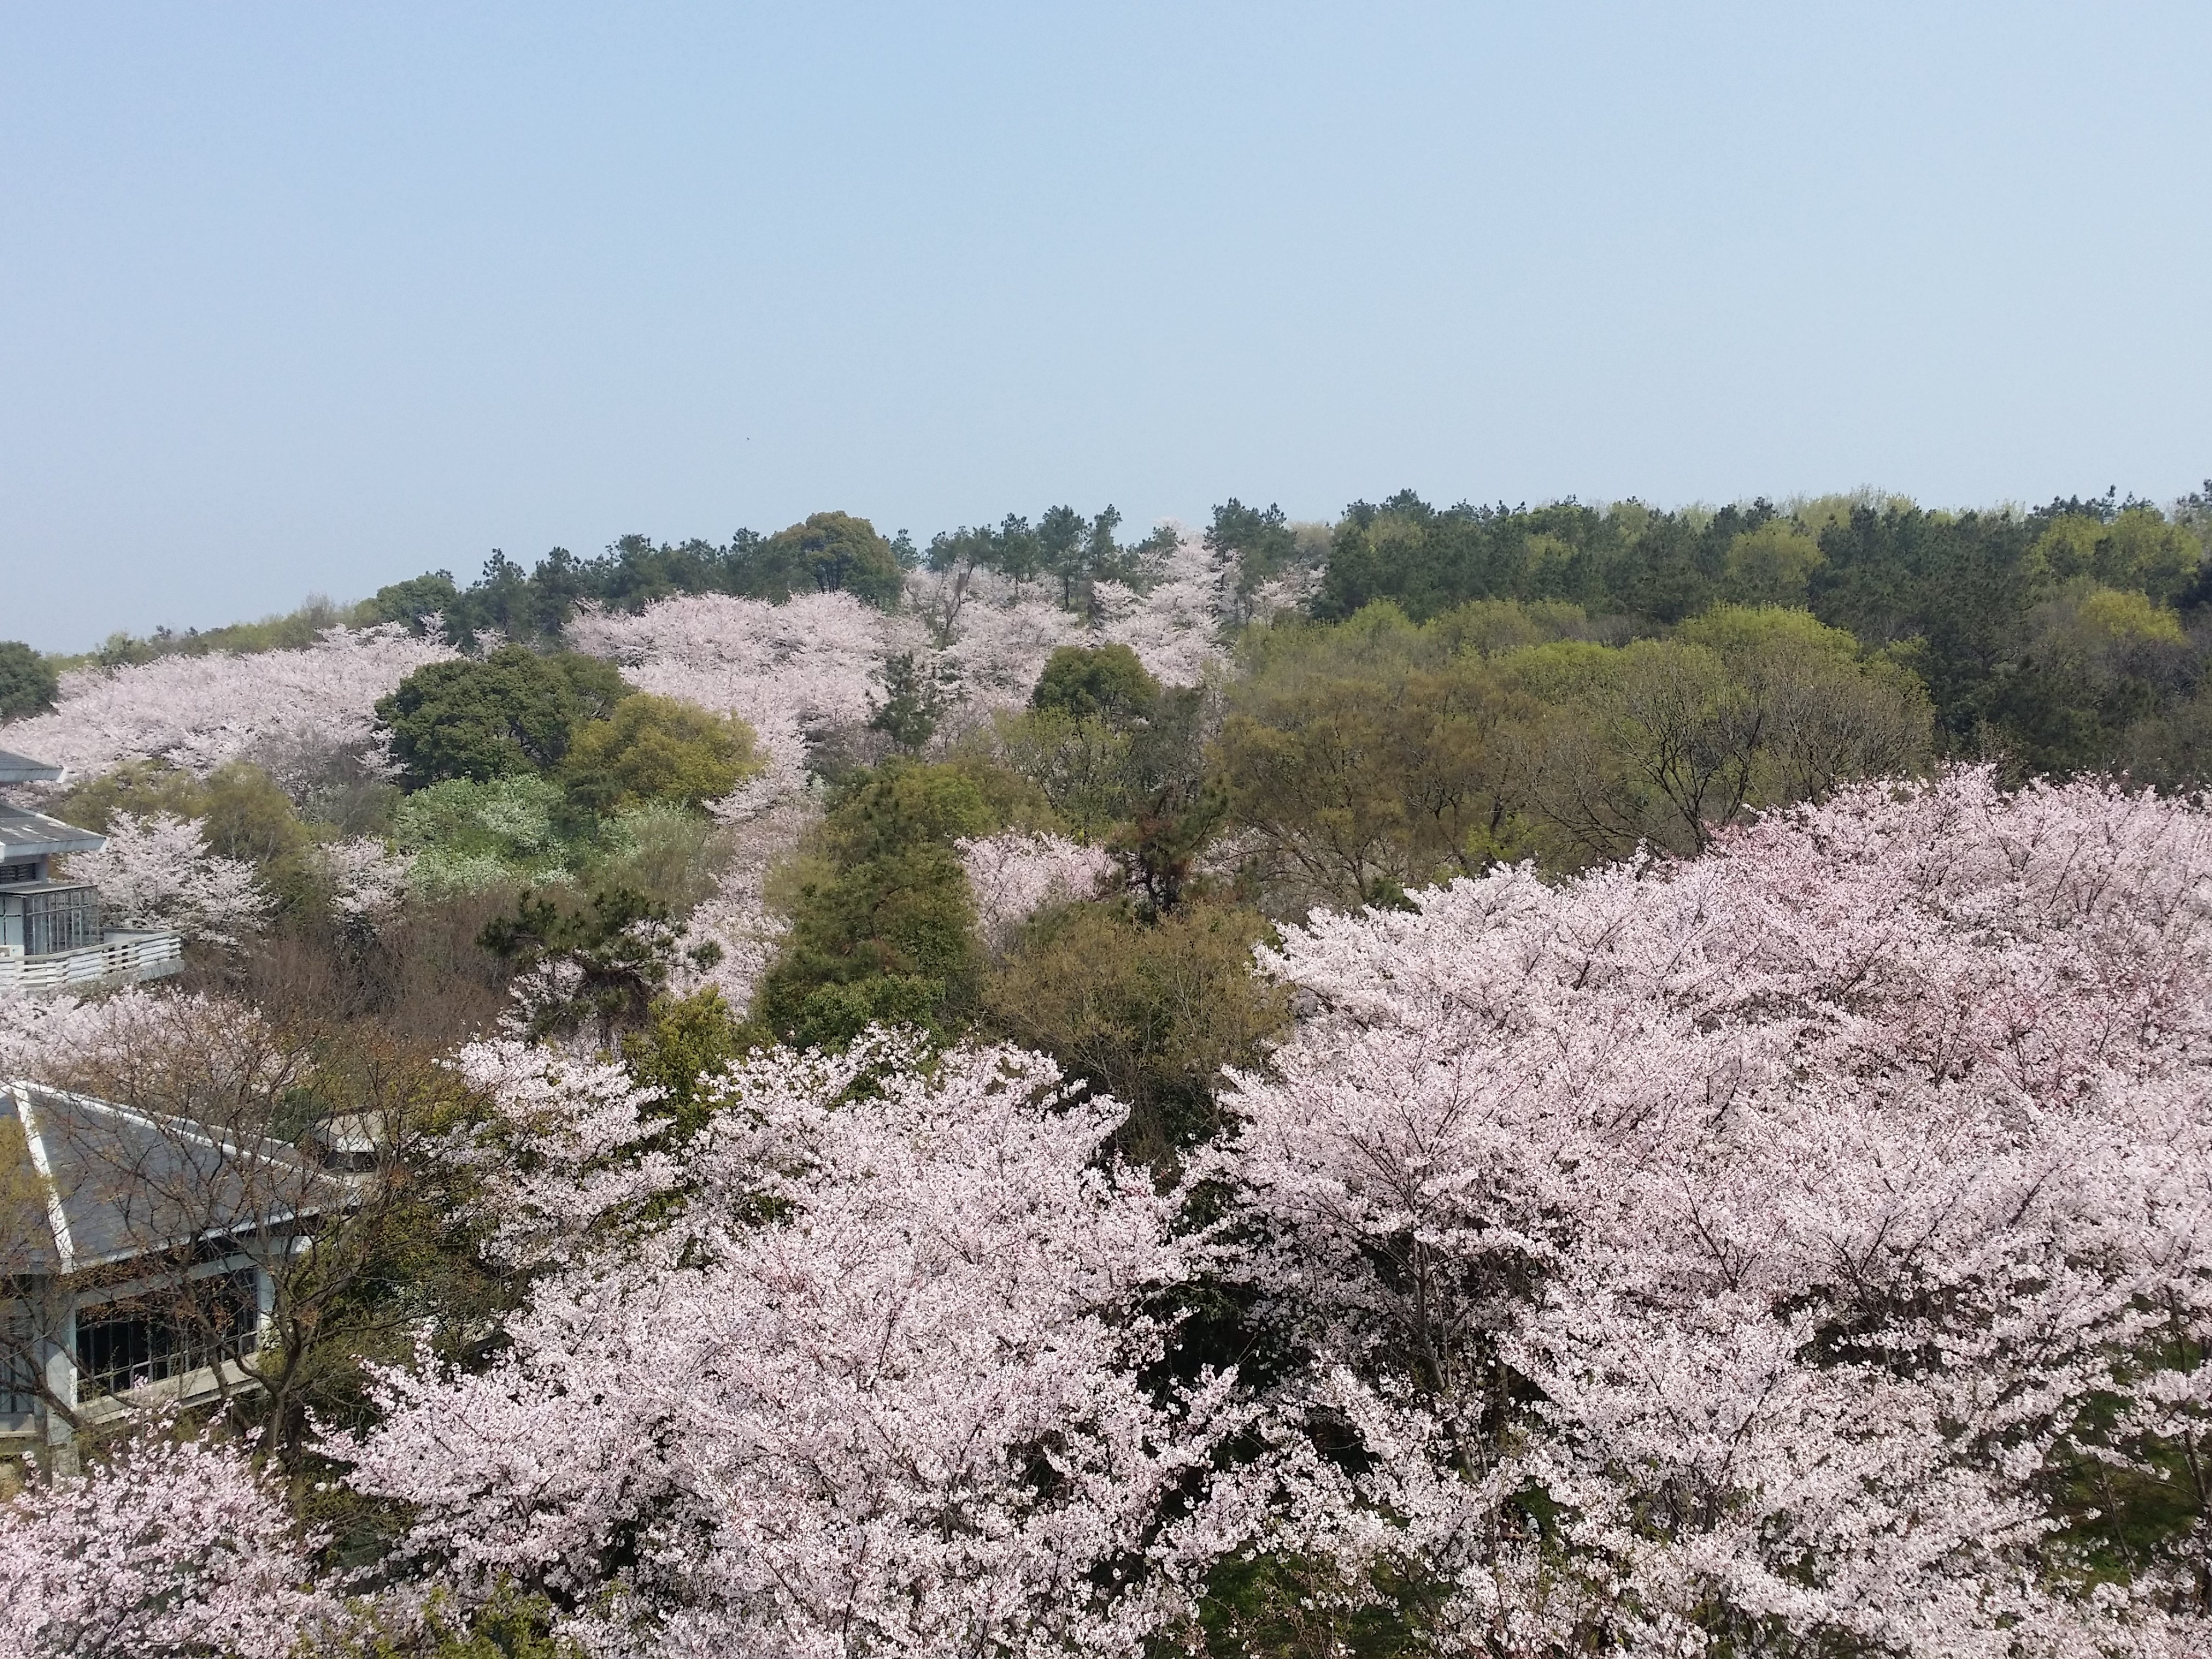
pixel 307 300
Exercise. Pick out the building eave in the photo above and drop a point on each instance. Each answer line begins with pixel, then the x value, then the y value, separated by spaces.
pixel 22 769
pixel 28 835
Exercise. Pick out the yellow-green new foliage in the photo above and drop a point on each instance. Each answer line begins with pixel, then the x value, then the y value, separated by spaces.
pixel 2117 617
pixel 1361 758
pixel 1663 742
pixel 2138 548
pixel 883 930
pixel 652 747
pixel 1148 1013
pixel 1081 766
pixel 1772 563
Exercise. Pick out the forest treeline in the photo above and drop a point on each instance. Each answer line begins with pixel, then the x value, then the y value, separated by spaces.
pixel 2068 637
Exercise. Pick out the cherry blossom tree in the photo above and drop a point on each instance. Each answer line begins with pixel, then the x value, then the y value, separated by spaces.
pixel 1014 873
pixel 53 1039
pixel 1000 637
pixel 559 1153
pixel 156 872
pixel 1752 1251
pixel 811 665
pixel 789 669
pixel 874 1386
pixel 1174 623
pixel 166 1547
pixel 764 819
pixel 201 711
pixel 1000 641
pixel 367 881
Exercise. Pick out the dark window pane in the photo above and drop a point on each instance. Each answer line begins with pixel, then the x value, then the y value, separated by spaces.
pixel 151 1338
pixel 60 919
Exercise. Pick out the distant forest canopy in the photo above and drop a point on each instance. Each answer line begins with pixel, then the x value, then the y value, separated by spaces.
pixel 2070 636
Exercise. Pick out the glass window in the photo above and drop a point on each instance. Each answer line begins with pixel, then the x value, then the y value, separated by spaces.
pixel 60 919
pixel 19 1377
pixel 130 1344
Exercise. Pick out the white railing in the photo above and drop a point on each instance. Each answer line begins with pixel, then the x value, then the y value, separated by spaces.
pixel 120 958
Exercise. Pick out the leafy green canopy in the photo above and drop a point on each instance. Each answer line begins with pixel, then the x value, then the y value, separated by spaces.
pixel 29 683
pixel 1379 755
pixel 886 932
pixel 1150 1013
pixel 1105 681
pixel 2054 640
pixel 512 712
pixel 651 748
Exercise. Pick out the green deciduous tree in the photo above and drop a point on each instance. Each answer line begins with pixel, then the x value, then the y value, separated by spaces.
pixel 411 602
pixel 659 748
pixel 1374 757
pixel 1665 741
pixel 2135 549
pixel 29 683
pixel 1772 564
pixel 1084 769
pixel 514 711
pixel 1105 681
pixel 1149 1014
pixel 827 553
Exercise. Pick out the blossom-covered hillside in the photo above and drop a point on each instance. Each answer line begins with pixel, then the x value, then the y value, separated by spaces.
pixel 1028 1102
pixel 201 711
pixel 1814 1240
pixel 1822 1229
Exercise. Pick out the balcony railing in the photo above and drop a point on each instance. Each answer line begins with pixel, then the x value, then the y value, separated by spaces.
pixel 120 958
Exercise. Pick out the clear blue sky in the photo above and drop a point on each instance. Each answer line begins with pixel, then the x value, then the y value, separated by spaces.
pixel 300 299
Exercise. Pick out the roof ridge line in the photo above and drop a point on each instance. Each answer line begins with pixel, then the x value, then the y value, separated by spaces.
pixel 34 1141
pixel 190 1127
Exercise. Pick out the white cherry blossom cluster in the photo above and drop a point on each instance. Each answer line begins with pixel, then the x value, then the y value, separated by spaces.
pixel 167 1549
pixel 875 1389
pixel 1013 874
pixel 560 1151
pixel 1000 636
pixel 1787 1219
pixel 814 661
pixel 156 872
pixel 1175 625
pixel 765 818
pixel 201 711
pixel 1750 1252
pixel 368 880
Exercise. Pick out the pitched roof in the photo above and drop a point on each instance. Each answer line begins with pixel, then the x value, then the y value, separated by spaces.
pixel 25 834
pixel 22 769
pixel 86 1183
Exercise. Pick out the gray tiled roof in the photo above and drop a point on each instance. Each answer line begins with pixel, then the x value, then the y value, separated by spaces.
pixel 84 1183
pixel 22 769
pixel 25 834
